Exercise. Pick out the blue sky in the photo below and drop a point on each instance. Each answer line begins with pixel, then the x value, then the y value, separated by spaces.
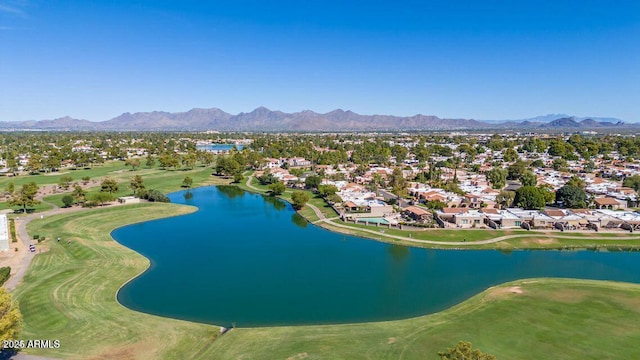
pixel 465 59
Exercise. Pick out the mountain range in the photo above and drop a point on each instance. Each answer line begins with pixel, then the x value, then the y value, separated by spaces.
pixel 263 119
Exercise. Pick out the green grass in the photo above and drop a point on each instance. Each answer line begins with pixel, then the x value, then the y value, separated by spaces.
pixel 37 208
pixel 162 180
pixel 527 319
pixel 69 291
pixel 69 294
pixel 54 177
pixel 523 239
pixel 306 211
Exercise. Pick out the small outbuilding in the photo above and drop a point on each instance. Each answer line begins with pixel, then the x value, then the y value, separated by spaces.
pixel 128 200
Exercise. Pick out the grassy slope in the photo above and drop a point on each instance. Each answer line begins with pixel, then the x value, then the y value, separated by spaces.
pixel 69 294
pixel 163 180
pixel 551 318
pixel 69 291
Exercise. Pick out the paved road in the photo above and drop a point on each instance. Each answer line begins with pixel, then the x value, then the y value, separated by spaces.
pixel 21 231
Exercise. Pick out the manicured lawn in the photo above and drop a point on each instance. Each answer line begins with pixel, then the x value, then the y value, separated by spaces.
pixel 306 211
pixel 37 208
pixel 163 180
pixel 53 178
pixel 441 234
pixel 69 292
pixel 527 319
pixel 523 239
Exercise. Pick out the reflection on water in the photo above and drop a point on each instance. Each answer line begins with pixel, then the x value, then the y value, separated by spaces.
pixel 231 191
pixel 252 260
pixel 299 220
pixel 277 203
pixel 397 252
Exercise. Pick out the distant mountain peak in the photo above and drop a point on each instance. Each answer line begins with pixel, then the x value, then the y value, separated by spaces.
pixel 264 119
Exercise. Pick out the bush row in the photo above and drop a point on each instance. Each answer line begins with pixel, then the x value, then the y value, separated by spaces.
pixel 4 274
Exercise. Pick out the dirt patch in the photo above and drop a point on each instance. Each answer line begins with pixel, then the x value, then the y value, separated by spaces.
pixel 303 355
pixel 630 302
pixel 391 340
pixel 140 350
pixel 539 241
pixel 503 292
pixel 567 296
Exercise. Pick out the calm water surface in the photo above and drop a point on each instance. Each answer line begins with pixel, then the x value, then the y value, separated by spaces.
pixel 219 147
pixel 251 260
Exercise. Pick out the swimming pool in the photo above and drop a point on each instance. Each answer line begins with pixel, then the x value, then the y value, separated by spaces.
pixel 374 220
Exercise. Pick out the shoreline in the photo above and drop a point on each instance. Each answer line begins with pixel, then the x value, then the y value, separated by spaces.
pixel 214 344
pixel 486 244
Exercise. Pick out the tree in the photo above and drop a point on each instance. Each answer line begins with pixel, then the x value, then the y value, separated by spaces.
pixel 399 152
pixel 25 196
pixel 572 197
pixel 267 178
pixel 10 317
pixel 10 188
pixel 67 200
pixel 187 182
pixel 463 351
pixel 65 181
pixel 78 192
pixel 515 170
pixel 277 188
pixel 560 165
pixel 510 155
pixel 171 160
pixel 156 196
pixel 299 198
pixel 133 162
pixel 632 182
pixel 538 163
pixel 102 197
pixel 435 204
pixel 227 166
pixel 137 184
pixel 109 185
pixel 312 182
pixel 237 178
pixel 497 177
pixel 326 190
pixel 505 198
pixel 189 160
pixel 34 164
pixel 398 183
pixel 528 178
pixel 529 197
pixel 577 182
pixel 150 162
pixel 549 194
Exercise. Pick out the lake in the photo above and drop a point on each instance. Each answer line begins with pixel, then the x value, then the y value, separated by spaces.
pixel 250 260
pixel 219 147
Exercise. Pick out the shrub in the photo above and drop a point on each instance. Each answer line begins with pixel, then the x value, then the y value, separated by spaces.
pixel 4 273
pixel 89 204
pixel 156 195
pixel 67 200
pixel 12 230
pixel 36 237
